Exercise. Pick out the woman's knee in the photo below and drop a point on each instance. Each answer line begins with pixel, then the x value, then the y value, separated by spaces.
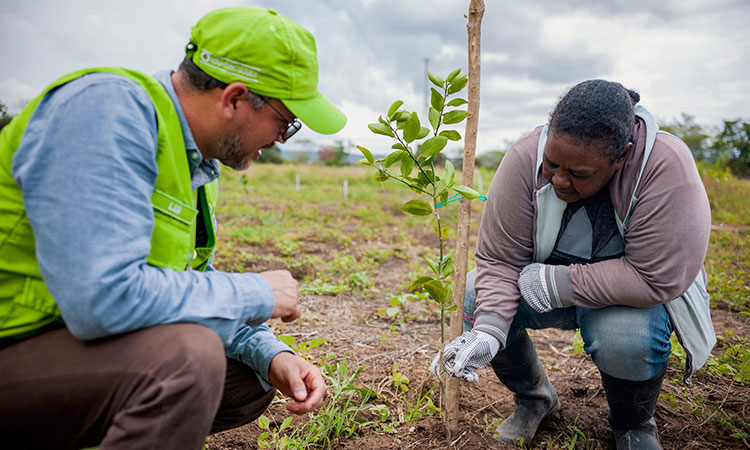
pixel 626 342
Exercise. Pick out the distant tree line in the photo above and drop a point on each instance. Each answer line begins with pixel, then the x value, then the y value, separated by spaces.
pixel 727 146
pixel 4 116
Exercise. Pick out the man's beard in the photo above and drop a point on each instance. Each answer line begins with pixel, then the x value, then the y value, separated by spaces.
pixel 230 148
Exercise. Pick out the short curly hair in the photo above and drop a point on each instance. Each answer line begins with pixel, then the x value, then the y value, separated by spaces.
pixel 596 112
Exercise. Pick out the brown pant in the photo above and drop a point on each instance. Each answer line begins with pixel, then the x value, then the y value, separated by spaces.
pixel 165 387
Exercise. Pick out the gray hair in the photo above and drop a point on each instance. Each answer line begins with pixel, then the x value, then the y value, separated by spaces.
pixel 198 80
pixel 596 112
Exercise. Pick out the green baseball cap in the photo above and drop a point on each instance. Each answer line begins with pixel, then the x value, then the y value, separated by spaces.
pixel 271 54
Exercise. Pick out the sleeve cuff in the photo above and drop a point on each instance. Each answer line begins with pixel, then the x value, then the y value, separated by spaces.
pixel 494 325
pixel 559 286
pixel 263 377
pixel 260 305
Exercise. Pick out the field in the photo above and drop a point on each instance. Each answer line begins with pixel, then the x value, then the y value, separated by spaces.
pixel 355 259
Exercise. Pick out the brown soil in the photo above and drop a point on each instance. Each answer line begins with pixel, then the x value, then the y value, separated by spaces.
pixel 352 328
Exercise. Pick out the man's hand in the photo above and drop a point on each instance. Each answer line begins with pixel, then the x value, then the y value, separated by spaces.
pixel 298 379
pixel 467 353
pixel 285 294
pixel 544 287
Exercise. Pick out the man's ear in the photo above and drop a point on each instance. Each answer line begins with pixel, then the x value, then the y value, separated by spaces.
pixel 231 96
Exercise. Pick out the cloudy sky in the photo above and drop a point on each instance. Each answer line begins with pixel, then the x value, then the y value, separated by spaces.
pixel 688 56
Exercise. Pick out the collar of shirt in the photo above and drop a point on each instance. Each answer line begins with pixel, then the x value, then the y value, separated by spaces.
pixel 202 171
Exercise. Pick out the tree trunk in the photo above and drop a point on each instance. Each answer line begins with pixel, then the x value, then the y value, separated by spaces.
pixel 476 11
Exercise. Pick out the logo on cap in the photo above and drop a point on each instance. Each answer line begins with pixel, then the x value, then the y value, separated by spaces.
pixel 231 67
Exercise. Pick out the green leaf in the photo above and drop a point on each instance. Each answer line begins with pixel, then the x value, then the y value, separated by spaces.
pixel 393 158
pixel 442 231
pixel 452 307
pixel 394 107
pixel 425 179
pixel 392 311
pixel 264 422
pixel 455 116
pixel 436 100
pixel 452 75
pixel 400 124
pixel 402 115
pixel 417 208
pixel 407 165
pixel 433 265
pixel 379 128
pixel 380 176
pixel 412 128
pixel 436 290
pixel 450 173
pixel 466 191
pixel 317 342
pixel 419 282
pixel 288 340
pixel 383 121
pixel 398 146
pixel 286 423
pixel 365 162
pixel 432 146
pixel 423 132
pixel 367 153
pixel 263 436
pixel 434 116
pixel 444 196
pixel 457 102
pixel 436 80
pixel 453 135
pixel 458 84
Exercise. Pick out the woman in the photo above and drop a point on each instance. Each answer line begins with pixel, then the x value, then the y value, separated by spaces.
pixel 599 222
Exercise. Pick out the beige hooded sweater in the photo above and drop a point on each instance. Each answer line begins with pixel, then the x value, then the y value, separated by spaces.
pixel 665 242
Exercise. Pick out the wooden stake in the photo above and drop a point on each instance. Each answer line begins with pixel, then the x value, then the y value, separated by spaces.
pixel 476 11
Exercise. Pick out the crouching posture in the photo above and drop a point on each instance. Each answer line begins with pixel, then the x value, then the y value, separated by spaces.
pixel 596 221
pixel 115 330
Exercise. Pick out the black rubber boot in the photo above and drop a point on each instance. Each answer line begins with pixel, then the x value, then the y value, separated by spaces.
pixel 631 411
pixel 519 369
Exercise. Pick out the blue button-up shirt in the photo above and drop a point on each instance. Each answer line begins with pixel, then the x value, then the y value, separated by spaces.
pixel 87 168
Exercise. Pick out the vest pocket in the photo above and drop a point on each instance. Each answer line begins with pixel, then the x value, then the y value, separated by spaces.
pixel 173 237
pixel 173 207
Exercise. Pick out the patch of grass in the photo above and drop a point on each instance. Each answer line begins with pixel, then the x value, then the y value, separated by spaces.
pixel 728 258
pixel 340 416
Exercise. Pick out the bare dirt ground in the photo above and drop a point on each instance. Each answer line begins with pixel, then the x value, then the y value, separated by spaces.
pixel 352 328
pixel 688 418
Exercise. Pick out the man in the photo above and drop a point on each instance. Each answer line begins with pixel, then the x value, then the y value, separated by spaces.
pixel 114 328
pixel 599 222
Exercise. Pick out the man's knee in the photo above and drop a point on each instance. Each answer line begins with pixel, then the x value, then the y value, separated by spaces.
pixel 193 358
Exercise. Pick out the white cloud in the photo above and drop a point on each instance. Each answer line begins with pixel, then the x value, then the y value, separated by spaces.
pixel 682 56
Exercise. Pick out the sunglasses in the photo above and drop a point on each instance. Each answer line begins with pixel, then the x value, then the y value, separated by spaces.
pixel 292 126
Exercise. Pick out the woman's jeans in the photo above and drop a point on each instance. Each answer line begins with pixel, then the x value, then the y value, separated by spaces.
pixel 624 342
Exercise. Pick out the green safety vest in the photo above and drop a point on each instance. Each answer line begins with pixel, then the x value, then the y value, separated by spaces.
pixel 26 305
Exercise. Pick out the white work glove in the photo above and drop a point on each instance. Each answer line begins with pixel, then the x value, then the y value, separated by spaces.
pixel 467 353
pixel 544 287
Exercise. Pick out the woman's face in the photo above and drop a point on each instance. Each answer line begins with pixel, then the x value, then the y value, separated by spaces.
pixel 577 171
